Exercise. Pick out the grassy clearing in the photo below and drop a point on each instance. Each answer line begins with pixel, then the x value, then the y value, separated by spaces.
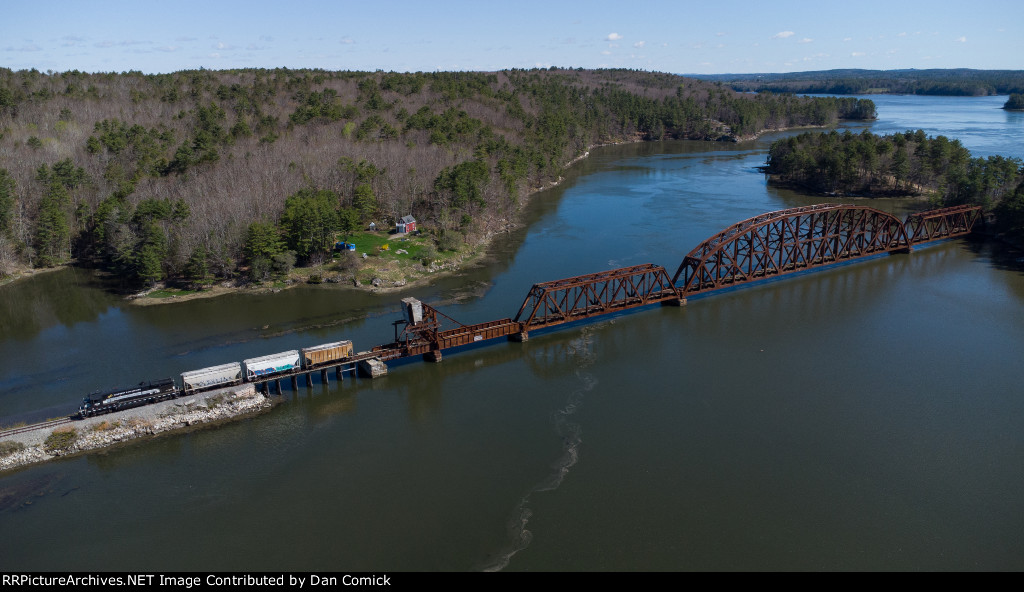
pixel 388 246
pixel 170 293
pixel 393 259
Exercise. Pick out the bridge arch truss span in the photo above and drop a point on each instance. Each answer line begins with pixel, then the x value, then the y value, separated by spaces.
pixel 789 240
pixel 943 223
pixel 580 297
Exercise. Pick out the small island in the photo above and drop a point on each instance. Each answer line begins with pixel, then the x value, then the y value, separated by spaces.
pixel 1015 102
pixel 899 165
pixel 908 164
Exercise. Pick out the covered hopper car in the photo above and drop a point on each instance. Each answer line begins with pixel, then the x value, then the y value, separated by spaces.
pixel 212 377
pixel 264 366
pixel 326 354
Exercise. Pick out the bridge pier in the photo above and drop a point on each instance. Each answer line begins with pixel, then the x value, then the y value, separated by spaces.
pixel 278 383
pixel 323 377
pixel 373 368
pixel 520 337
pixel 433 355
pixel 674 302
pixel 295 382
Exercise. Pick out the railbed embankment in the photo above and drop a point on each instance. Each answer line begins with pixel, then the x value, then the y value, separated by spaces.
pixel 102 431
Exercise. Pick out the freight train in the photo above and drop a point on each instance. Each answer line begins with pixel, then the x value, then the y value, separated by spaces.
pixel 225 375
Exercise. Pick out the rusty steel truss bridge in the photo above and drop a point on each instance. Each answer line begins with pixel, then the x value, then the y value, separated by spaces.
pixel 759 248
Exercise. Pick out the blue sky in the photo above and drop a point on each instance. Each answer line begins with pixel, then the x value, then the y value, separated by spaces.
pixel 683 37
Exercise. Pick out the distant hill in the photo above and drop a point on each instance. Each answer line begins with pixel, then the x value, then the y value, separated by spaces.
pixel 948 82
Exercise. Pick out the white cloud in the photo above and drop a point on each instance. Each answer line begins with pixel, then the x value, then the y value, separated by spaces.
pixel 719 34
pixel 783 35
pixel 639 44
pixel 961 39
pixel 903 34
pixel 856 54
pixel 847 38
pixel 27 47
pixel 606 52
pixel 168 48
pixel 806 40
pixel 613 37
pixel 347 41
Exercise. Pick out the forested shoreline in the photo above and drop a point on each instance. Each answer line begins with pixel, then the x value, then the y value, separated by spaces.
pixel 936 82
pixel 904 164
pixel 205 175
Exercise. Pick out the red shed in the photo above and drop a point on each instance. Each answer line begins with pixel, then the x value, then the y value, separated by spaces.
pixel 406 224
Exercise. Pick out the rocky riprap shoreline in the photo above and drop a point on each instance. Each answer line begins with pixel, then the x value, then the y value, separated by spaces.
pixel 106 430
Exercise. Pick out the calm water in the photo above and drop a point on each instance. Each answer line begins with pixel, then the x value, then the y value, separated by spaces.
pixel 868 417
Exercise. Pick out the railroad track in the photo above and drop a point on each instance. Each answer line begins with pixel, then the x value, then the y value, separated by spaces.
pixel 36 426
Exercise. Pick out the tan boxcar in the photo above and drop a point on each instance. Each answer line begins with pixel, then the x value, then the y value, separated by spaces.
pixel 326 353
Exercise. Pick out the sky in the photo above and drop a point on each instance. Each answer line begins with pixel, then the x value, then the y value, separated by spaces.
pixel 680 37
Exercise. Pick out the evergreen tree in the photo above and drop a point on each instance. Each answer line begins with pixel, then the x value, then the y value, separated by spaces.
pixel 310 220
pixel 364 201
pixel 53 233
pixel 197 270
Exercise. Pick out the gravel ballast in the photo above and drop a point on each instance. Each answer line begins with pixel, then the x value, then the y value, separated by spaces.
pixel 94 433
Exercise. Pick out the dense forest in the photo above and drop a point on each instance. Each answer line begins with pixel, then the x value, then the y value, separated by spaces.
pixel 949 82
pixel 205 174
pixel 908 163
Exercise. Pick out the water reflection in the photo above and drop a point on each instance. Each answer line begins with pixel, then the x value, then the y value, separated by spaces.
pixel 62 297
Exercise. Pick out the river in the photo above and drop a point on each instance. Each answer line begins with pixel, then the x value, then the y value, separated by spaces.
pixel 865 417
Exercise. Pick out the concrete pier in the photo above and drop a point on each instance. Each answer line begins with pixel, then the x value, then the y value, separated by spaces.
pixel 373 368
